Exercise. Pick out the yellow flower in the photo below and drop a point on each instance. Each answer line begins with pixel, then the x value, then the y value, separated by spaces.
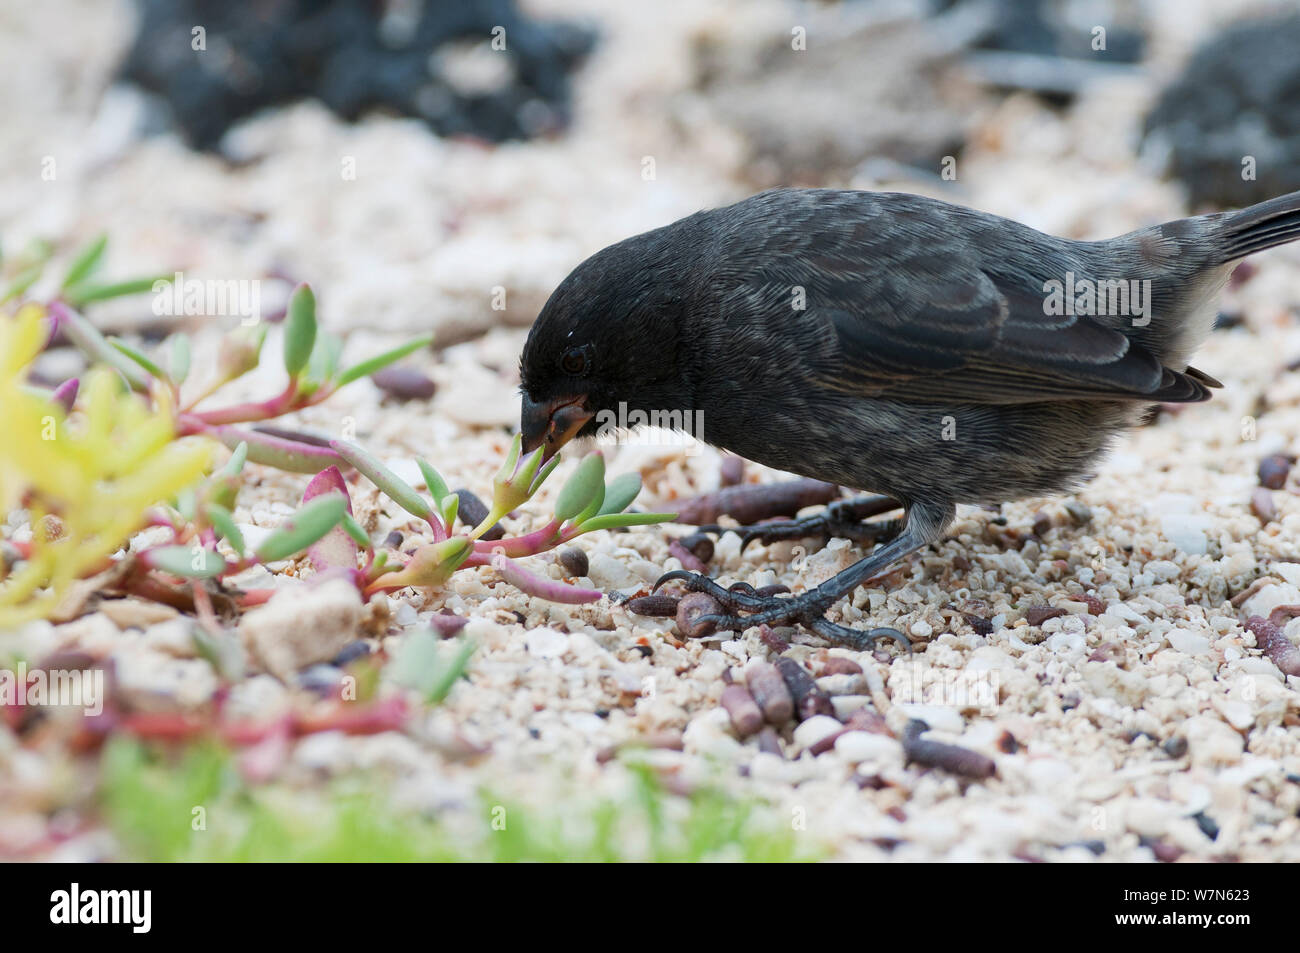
pixel 97 471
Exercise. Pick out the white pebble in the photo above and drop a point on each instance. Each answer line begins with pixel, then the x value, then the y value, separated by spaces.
pixel 856 746
pixel 814 730
pixel 546 643
pixel 1188 643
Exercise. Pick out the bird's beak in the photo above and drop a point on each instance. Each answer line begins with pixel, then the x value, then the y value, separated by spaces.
pixel 552 422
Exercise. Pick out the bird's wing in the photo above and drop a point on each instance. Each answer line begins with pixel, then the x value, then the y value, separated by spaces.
pixel 911 322
pixel 901 304
pixel 961 336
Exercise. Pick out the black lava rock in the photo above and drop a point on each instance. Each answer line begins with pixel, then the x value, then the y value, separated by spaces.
pixel 1239 96
pixel 215 62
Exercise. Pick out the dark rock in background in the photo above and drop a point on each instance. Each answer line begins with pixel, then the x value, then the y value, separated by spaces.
pixel 1057 28
pixel 1239 96
pixel 430 60
pixel 867 87
pixel 1046 46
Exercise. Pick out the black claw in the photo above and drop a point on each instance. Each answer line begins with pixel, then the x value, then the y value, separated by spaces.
pixel 764 606
pixel 740 596
pixel 856 637
pixel 681 574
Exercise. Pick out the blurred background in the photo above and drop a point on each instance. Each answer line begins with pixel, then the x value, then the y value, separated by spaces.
pixel 412 158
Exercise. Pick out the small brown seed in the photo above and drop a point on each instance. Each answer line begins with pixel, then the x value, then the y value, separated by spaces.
pixel 1037 615
pixel 836 665
pixel 775 640
pixel 690 609
pixel 574 561
pixel 404 383
pixel 753 502
pixel 1108 652
pixel 769 691
pixel 732 470
pixel 936 754
pixel 1274 469
pixel 656 605
pixel 685 556
pixel 868 719
pixel 1096 605
pixel 770 742
pixel 1272 641
pixel 1262 505
pixel 809 700
pixel 1081 513
pixel 700 546
pixel 746 716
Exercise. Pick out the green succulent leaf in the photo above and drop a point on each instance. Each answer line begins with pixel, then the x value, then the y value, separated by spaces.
pixel 186 503
pixel 380 361
pixel 511 461
pixel 355 530
pixel 614 520
pixel 303 528
pixel 178 358
pixel 235 465
pixel 22 281
pixel 224 523
pixel 31 263
pixel 547 469
pixel 428 665
pixel 86 262
pixel 433 480
pixel 587 485
pixel 450 509
pixel 299 330
pixel 139 358
pixel 620 492
pixel 187 561
pixel 324 357
pixel 433 563
pixel 96 347
pixel 84 294
pixel 398 490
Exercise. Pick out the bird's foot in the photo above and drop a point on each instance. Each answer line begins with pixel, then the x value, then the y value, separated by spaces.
pixel 843 519
pixel 765 608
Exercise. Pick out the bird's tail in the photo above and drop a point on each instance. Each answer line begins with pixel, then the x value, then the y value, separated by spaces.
pixel 1261 226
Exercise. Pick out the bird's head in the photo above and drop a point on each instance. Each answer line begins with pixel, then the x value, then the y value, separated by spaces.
pixel 608 335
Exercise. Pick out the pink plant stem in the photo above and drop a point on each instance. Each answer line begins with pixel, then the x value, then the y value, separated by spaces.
pixel 254 597
pixel 313 458
pixel 203 608
pixel 281 403
pixel 435 524
pixel 65 395
pixel 529 544
pixel 550 589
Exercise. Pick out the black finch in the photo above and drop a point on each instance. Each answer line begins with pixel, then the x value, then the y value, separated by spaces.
pixel 892 343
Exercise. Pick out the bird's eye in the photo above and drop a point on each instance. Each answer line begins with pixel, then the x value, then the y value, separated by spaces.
pixel 574 361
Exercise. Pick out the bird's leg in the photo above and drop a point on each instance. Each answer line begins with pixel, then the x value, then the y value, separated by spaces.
pixel 923 524
pixel 842 518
